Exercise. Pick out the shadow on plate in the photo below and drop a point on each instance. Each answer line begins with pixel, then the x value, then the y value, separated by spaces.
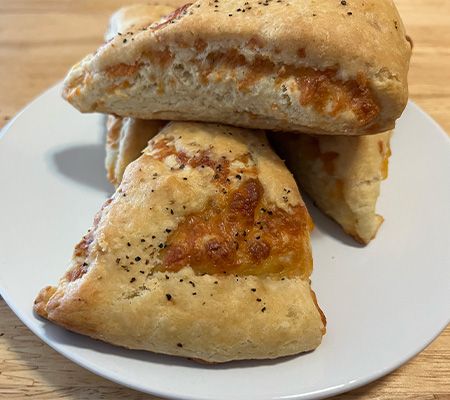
pixel 59 335
pixel 84 164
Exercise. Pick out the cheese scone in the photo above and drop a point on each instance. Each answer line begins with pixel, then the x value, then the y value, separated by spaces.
pixel 315 66
pixel 202 252
pixel 342 175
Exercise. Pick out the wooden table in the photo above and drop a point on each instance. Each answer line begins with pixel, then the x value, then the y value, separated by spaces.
pixel 40 40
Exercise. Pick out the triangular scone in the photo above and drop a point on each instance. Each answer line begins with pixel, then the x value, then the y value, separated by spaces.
pixel 125 140
pixel 202 252
pixel 342 175
pixel 316 66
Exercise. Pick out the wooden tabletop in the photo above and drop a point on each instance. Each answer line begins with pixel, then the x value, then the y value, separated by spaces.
pixel 40 40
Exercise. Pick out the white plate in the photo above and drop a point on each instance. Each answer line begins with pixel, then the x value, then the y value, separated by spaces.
pixel 384 303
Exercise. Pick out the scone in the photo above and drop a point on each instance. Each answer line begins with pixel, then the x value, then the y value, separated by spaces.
pixel 314 66
pixel 202 252
pixel 342 175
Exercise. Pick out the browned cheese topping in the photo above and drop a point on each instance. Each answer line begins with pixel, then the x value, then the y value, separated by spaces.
pixel 237 232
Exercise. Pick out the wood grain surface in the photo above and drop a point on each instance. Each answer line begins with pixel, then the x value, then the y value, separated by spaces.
pixel 40 40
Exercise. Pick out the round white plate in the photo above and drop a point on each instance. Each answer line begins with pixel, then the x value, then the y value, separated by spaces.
pixel 384 302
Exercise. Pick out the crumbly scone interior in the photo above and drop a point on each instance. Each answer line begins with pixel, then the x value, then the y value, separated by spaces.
pixel 245 70
pixel 244 74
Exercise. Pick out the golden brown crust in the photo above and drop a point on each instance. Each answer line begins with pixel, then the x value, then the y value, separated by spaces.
pixel 126 291
pixel 264 60
pixel 342 175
